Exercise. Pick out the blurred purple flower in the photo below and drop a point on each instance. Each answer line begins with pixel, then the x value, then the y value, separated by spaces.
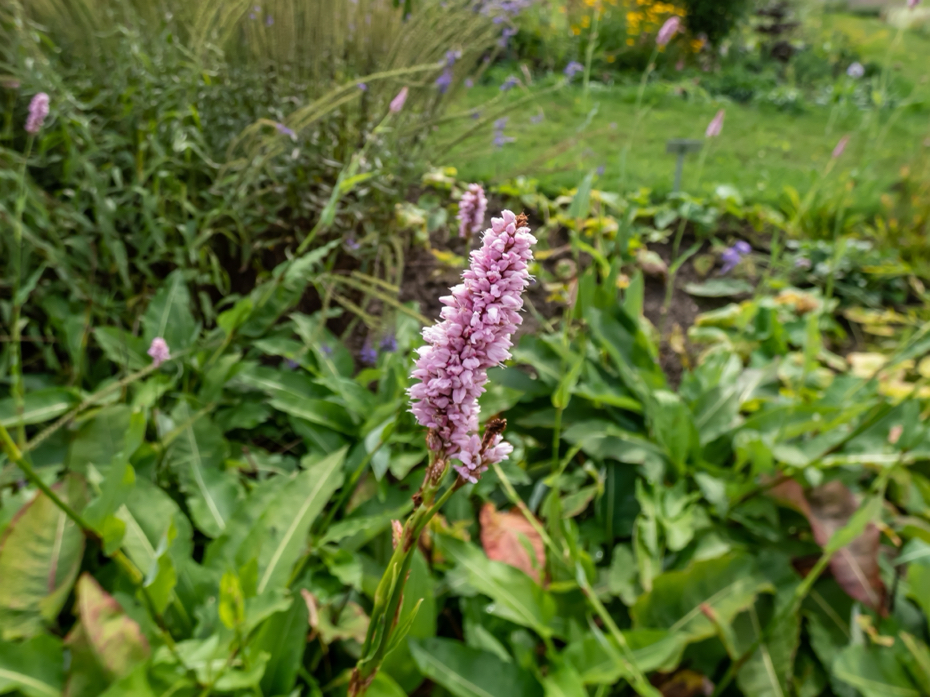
pixel 573 69
pixel 539 117
pixel 499 138
pixel 451 57
pixel 600 171
pixel 38 112
pixel 911 4
pixel 291 365
pixel 368 355
pixel 363 87
pixel 388 343
pixel 715 126
pixel 398 102
pixel 802 263
pixel 444 81
pixel 269 20
pixel 284 130
pixel 505 36
pixel 326 349
pixel 353 244
pixel 476 114
pixel 733 255
pixel 855 70
pixel 840 147
pixel 509 83
pixel 668 30
pixel 469 82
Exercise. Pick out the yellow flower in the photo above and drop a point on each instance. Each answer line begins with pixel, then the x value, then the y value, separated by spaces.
pixel 586 21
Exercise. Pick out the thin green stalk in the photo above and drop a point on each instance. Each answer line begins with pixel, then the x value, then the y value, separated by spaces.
pixel 589 53
pixel 16 353
pixel 637 114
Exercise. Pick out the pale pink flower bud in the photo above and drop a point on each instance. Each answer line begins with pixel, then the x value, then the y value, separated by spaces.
pixel 840 147
pixel 159 351
pixel 398 102
pixel 38 111
pixel 715 126
pixel 472 207
pixel 668 30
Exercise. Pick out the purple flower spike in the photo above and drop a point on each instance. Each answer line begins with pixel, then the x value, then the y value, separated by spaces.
pixel 444 80
pixel 715 126
pixel 388 343
pixel 38 112
pixel 398 102
pixel 509 83
pixel 269 20
pixel 284 130
pixel 538 118
pixel 573 69
pixel 668 30
pixel 469 82
pixel 368 355
pixel 911 4
pixel 840 147
pixel 159 351
pixel 472 207
pixel 734 255
pixel 478 320
pixel 363 87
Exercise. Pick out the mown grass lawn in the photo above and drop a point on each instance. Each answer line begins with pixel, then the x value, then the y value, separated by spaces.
pixel 763 149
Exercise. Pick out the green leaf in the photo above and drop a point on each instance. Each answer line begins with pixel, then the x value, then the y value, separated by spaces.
pixel 597 664
pixel 100 439
pixel 169 315
pixel 40 556
pixel 719 288
pixel 317 411
pixel 162 576
pixel 197 455
pixel 468 672
pixel 106 644
pixel 38 407
pixel 518 598
pixel 283 636
pixel 285 524
pixel 564 682
pixel 35 667
pixel 875 672
pixel 119 481
pixel 384 686
pixel 233 318
pixel 136 684
pixel 122 348
pixel 581 202
pixel 673 426
pixel 766 672
pixel 728 585
pixel 231 606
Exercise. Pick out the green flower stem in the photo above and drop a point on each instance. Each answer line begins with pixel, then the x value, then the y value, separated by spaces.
pixel 637 114
pixel 16 353
pixel 390 591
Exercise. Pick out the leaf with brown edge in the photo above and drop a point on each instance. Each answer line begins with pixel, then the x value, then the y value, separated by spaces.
pixel 501 538
pixel 106 644
pixel 40 556
pixel 829 508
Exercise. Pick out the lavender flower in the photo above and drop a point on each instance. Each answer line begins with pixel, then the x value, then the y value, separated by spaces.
pixel 802 263
pixel 509 83
pixel 505 36
pixel 159 351
pixel 444 80
pixel 469 83
pixel 363 87
pixel 668 30
pixel 472 207
pixel 269 20
pixel 284 130
pixel 368 355
pixel 499 138
pixel 291 364
pixel 451 57
pixel 715 125
pixel 733 255
pixel 600 170
pixel 478 320
pixel 388 343
pixel 326 349
pixel 398 102
pixel 573 69
pixel 538 118
pixel 840 147
pixel 38 112
pixel 855 70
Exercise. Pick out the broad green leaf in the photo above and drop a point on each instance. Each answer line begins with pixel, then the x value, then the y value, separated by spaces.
pixel 35 667
pixel 283 636
pixel 918 579
pixel 106 644
pixel 100 439
pixel 653 649
pixel 718 288
pixel 38 407
pixel 673 426
pixel 40 555
pixel 766 672
pixel 581 201
pixel 918 663
pixel 136 684
pixel 119 481
pixel 169 314
pixel 162 576
pixel 122 348
pixel 467 672
pixel 197 455
pixel 728 585
pixel 564 682
pixel 286 523
pixel 517 597
pixel 231 606
pixel 233 318
pixel 384 686
pixel 874 671
pixel 317 411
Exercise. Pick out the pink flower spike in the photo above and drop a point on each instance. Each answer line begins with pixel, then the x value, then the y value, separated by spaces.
pixel 472 207
pixel 478 320
pixel 38 111
pixel 715 126
pixel 840 147
pixel 911 4
pixel 159 351
pixel 668 30
pixel 398 102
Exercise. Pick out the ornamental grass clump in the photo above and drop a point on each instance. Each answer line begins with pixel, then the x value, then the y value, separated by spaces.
pixel 478 321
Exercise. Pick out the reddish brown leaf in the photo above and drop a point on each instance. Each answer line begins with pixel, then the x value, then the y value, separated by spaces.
pixel 500 537
pixel 828 508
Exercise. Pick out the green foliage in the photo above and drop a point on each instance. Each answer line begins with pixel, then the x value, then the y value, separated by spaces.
pixel 715 19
